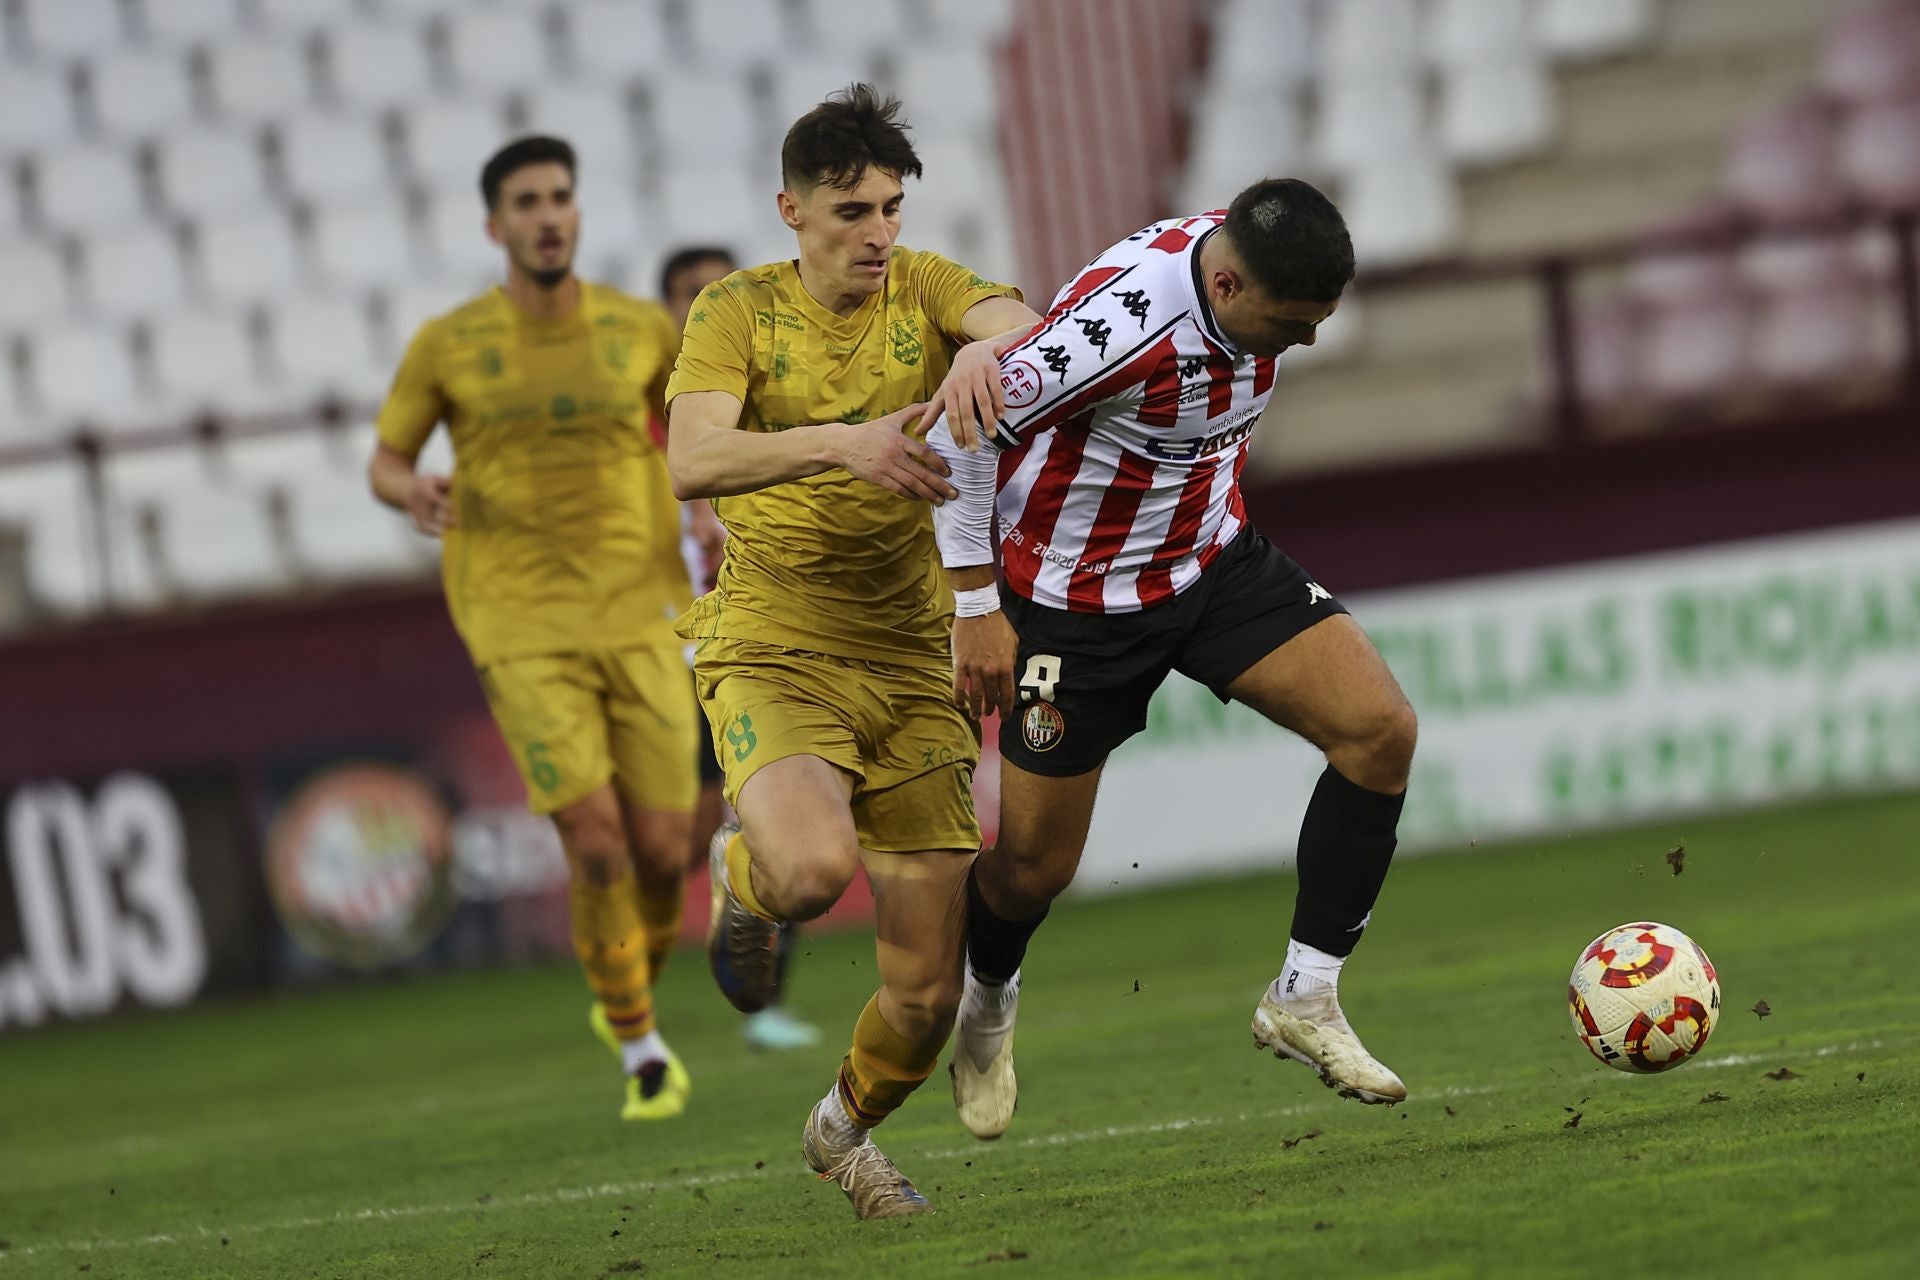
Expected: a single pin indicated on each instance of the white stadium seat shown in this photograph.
(306, 15)
(186, 528)
(185, 22)
(337, 526)
(83, 188)
(71, 28)
(1492, 112)
(614, 229)
(494, 49)
(36, 109)
(1264, 44)
(362, 245)
(617, 39)
(134, 272)
(972, 19)
(714, 205)
(322, 345)
(140, 92)
(408, 306)
(950, 87)
(204, 359)
(1237, 138)
(1362, 117)
(1401, 207)
(1476, 31)
(260, 79)
(449, 140)
(860, 29)
(377, 64)
(1370, 37)
(36, 290)
(333, 156)
(741, 34)
(207, 172)
(249, 257)
(596, 119)
(48, 501)
(693, 123)
(1593, 28)
(800, 86)
(456, 231)
(82, 372)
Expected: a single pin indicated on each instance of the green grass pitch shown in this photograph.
(466, 1126)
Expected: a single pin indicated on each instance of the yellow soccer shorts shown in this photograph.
(576, 721)
(893, 727)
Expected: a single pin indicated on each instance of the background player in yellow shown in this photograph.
(684, 276)
(825, 655)
(563, 574)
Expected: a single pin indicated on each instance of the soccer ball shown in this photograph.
(1644, 997)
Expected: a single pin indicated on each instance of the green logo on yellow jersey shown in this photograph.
(562, 408)
(490, 362)
(780, 365)
(904, 334)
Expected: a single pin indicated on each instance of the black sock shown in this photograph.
(995, 944)
(1346, 844)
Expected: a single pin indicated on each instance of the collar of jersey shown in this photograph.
(819, 311)
(1198, 289)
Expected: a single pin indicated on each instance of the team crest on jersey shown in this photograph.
(562, 408)
(904, 334)
(1020, 384)
(1042, 726)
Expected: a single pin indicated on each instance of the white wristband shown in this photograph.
(977, 603)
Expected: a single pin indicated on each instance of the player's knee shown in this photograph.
(595, 843)
(1386, 754)
(1034, 879)
(804, 880)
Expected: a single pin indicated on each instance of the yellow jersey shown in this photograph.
(828, 563)
(567, 535)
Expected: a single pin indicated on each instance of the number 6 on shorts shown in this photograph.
(1038, 680)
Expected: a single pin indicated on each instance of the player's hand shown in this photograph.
(708, 533)
(984, 650)
(883, 453)
(969, 395)
(430, 504)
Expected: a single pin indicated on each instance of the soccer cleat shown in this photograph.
(985, 1090)
(876, 1188)
(1311, 1029)
(659, 1090)
(743, 950)
(774, 1028)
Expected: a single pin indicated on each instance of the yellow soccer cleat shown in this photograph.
(651, 1094)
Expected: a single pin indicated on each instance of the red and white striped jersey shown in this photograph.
(1127, 425)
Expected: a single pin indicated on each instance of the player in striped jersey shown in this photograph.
(1127, 554)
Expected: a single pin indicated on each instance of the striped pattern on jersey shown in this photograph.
(1127, 426)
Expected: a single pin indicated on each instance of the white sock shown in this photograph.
(1308, 971)
(985, 995)
(635, 1054)
(835, 1120)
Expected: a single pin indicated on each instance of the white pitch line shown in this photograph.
(609, 1190)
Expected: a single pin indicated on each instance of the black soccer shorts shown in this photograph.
(1084, 679)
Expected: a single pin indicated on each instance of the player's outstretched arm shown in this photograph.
(708, 456)
(426, 499)
(970, 395)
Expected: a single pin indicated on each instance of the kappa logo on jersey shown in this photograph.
(1096, 331)
(1315, 594)
(1135, 301)
(1042, 726)
(1020, 383)
(1057, 359)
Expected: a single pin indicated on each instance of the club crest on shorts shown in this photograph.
(1042, 726)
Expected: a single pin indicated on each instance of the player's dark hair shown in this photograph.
(836, 141)
(691, 256)
(1292, 239)
(517, 155)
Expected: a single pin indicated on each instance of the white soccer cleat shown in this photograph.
(874, 1185)
(1311, 1029)
(985, 1092)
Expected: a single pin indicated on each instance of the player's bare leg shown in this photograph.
(611, 941)
(656, 841)
(795, 853)
(1043, 831)
(1330, 685)
(919, 940)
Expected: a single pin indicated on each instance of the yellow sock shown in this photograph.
(740, 878)
(882, 1068)
(660, 919)
(612, 946)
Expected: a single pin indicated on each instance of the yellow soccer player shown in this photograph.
(563, 574)
(825, 658)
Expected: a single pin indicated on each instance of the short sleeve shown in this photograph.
(415, 403)
(716, 348)
(947, 291)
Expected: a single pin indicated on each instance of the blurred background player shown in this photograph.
(1159, 358)
(686, 272)
(563, 574)
(825, 657)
